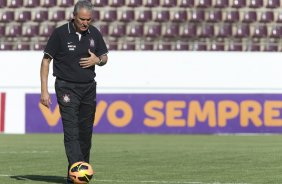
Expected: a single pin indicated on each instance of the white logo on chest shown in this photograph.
(71, 46)
(92, 43)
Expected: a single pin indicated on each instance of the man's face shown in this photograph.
(82, 20)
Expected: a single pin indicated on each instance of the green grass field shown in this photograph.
(147, 159)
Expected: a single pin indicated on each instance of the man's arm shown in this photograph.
(103, 60)
(44, 72)
(93, 60)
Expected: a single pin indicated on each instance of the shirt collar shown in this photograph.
(71, 28)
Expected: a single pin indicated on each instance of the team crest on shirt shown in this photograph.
(66, 98)
(92, 43)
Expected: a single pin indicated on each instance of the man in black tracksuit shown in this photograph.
(75, 47)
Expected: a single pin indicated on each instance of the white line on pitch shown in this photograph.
(166, 182)
(5, 175)
(23, 152)
(160, 182)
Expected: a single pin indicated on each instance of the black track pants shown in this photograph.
(77, 104)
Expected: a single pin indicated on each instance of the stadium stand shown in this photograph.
(195, 25)
(30, 29)
(23, 16)
(31, 3)
(134, 3)
(48, 3)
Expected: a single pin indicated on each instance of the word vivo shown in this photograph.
(181, 113)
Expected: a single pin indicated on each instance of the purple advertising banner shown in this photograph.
(168, 113)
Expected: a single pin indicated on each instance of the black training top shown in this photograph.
(66, 48)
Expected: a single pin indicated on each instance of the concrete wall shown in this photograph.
(147, 72)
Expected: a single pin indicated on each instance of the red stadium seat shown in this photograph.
(126, 45)
(116, 3)
(32, 3)
(260, 31)
(109, 15)
(169, 3)
(151, 3)
(3, 3)
(197, 15)
(135, 30)
(170, 30)
(232, 16)
(38, 46)
(188, 30)
(162, 46)
(104, 29)
(238, 3)
(221, 3)
(7, 16)
(15, 4)
(273, 4)
(100, 3)
(181, 46)
(23, 16)
(2, 29)
(206, 31)
(13, 30)
(275, 31)
(204, 3)
(267, 16)
(126, 15)
(95, 15)
(217, 46)
(250, 16)
(40, 15)
(117, 30)
(48, 3)
(234, 46)
(45, 29)
(30, 30)
(252, 46)
(145, 46)
(256, 4)
(69, 14)
(242, 31)
(214, 16)
(112, 46)
(21, 46)
(199, 46)
(57, 15)
(279, 17)
(65, 3)
(152, 30)
(6, 46)
(134, 3)
(215, 25)
(179, 16)
(224, 30)
(161, 16)
(186, 3)
(271, 47)
(143, 15)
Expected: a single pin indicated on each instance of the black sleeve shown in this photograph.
(52, 46)
(101, 47)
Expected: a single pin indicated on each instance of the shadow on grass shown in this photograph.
(47, 179)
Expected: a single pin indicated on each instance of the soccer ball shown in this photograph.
(81, 172)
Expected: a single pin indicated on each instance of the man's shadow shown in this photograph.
(47, 179)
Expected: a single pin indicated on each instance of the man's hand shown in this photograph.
(44, 71)
(89, 61)
(45, 99)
